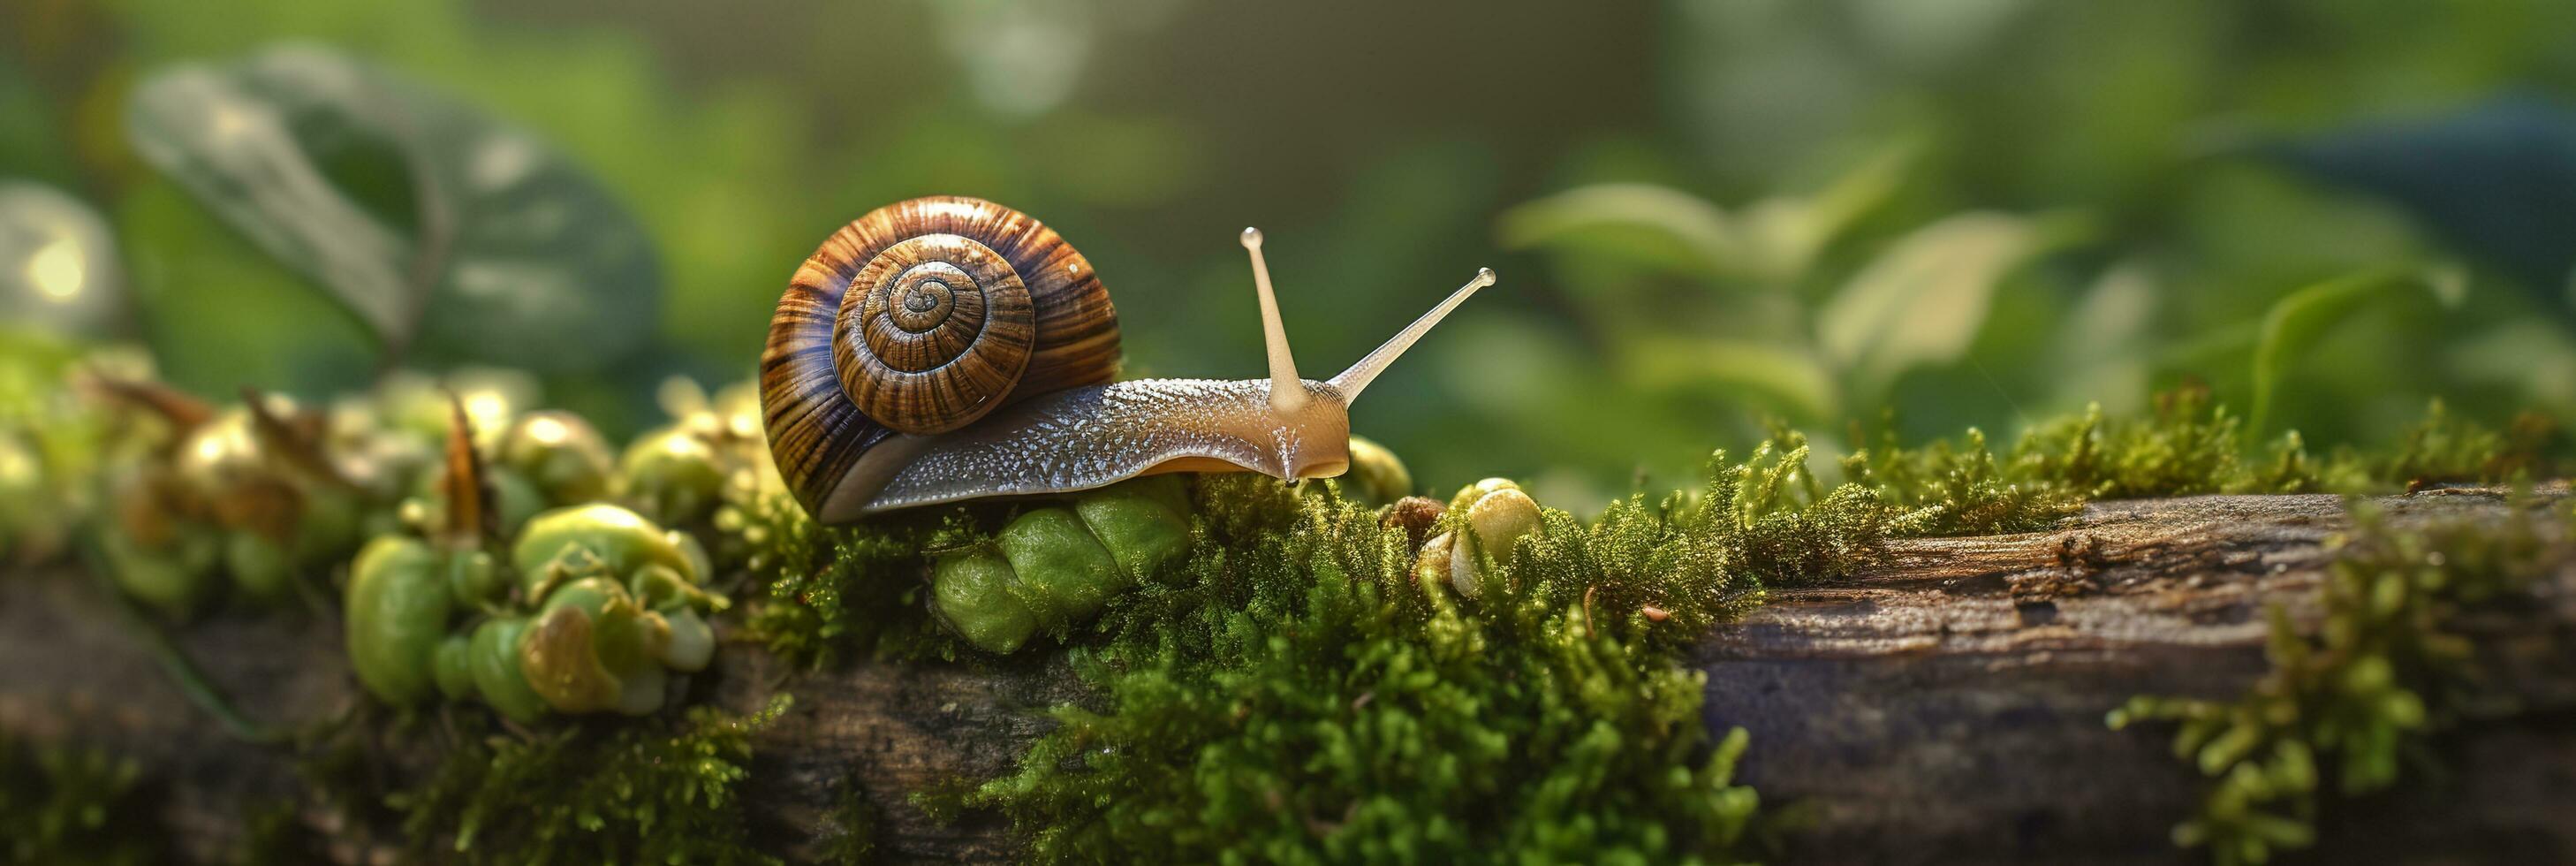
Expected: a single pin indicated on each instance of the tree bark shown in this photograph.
(1945, 707)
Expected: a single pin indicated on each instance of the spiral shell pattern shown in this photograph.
(932, 333)
(921, 317)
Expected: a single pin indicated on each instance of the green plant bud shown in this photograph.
(264, 569)
(1376, 475)
(561, 664)
(396, 613)
(1063, 573)
(332, 522)
(672, 475)
(495, 662)
(692, 643)
(1431, 566)
(452, 667)
(657, 587)
(561, 454)
(1495, 521)
(474, 578)
(621, 540)
(1469, 494)
(701, 567)
(176, 577)
(626, 644)
(973, 593)
(1144, 523)
(1501, 518)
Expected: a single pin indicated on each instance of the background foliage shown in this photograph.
(1705, 213)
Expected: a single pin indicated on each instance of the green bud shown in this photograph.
(330, 525)
(692, 643)
(972, 592)
(1144, 523)
(262, 568)
(621, 540)
(175, 577)
(453, 666)
(494, 661)
(1063, 573)
(1496, 519)
(562, 666)
(1469, 494)
(672, 475)
(396, 613)
(595, 650)
(473, 578)
(1055, 567)
(561, 454)
(1376, 475)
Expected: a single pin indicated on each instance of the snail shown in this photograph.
(946, 348)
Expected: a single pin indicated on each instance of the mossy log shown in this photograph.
(1947, 706)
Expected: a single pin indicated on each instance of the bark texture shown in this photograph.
(1946, 707)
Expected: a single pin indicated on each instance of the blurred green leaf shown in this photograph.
(454, 236)
(2296, 321)
(1793, 382)
(1789, 232)
(1772, 241)
(1923, 299)
(1651, 223)
(2497, 179)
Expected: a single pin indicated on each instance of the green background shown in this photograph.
(1931, 213)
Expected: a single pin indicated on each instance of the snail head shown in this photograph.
(1309, 421)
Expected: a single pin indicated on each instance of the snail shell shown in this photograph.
(931, 313)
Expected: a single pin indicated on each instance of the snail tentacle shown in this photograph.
(1356, 379)
(1284, 399)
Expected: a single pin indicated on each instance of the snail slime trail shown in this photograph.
(944, 349)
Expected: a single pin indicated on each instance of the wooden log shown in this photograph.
(1946, 707)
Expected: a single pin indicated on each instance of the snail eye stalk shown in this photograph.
(1287, 391)
(1356, 379)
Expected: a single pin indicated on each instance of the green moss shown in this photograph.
(855, 819)
(62, 804)
(275, 834)
(2188, 446)
(1973, 493)
(634, 791)
(824, 594)
(2384, 671)
(1292, 694)
(2446, 448)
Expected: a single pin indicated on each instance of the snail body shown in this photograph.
(945, 349)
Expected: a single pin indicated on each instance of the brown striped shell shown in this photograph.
(921, 317)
